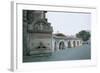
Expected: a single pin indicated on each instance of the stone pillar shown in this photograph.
(76, 43)
(71, 43)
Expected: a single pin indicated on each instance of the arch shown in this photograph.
(42, 25)
(39, 26)
(61, 45)
(74, 44)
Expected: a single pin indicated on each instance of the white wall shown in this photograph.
(5, 36)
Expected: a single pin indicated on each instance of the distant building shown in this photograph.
(60, 41)
(38, 35)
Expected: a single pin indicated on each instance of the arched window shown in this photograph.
(61, 45)
(39, 26)
(74, 44)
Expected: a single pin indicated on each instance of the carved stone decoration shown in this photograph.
(42, 26)
(37, 31)
(38, 22)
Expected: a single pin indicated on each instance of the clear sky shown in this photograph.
(69, 23)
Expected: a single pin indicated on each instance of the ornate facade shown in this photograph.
(38, 35)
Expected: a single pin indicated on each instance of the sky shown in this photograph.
(69, 23)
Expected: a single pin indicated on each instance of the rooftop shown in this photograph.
(62, 36)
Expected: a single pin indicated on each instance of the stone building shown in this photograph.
(38, 35)
(61, 41)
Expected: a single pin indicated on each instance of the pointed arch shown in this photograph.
(61, 45)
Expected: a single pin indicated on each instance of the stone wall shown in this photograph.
(37, 32)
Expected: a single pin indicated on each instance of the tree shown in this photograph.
(84, 35)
